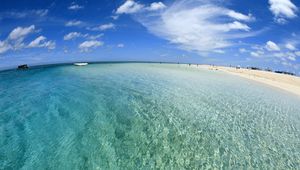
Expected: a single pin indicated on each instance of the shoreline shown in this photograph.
(285, 82)
(44, 65)
(282, 81)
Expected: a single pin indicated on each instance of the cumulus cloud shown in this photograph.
(21, 32)
(74, 35)
(17, 35)
(129, 7)
(75, 7)
(236, 26)
(200, 26)
(272, 51)
(282, 10)
(87, 45)
(104, 27)
(271, 46)
(15, 40)
(290, 46)
(259, 51)
(93, 37)
(40, 42)
(156, 6)
(284, 56)
(73, 23)
(240, 16)
(37, 42)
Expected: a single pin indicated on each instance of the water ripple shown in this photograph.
(144, 116)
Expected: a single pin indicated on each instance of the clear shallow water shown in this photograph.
(144, 116)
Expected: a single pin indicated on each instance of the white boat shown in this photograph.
(81, 64)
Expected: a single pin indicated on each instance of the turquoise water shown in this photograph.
(144, 116)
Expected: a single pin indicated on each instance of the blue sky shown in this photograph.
(263, 33)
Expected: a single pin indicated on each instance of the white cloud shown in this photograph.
(74, 23)
(129, 7)
(21, 32)
(72, 35)
(239, 16)
(93, 37)
(37, 41)
(198, 25)
(219, 51)
(37, 13)
(280, 20)
(115, 17)
(258, 51)
(15, 40)
(292, 57)
(254, 54)
(106, 26)
(120, 45)
(87, 45)
(242, 50)
(290, 46)
(4, 46)
(271, 46)
(40, 42)
(282, 9)
(75, 7)
(287, 64)
(272, 52)
(16, 37)
(286, 56)
(236, 26)
(41, 12)
(156, 6)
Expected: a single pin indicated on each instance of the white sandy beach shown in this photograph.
(285, 82)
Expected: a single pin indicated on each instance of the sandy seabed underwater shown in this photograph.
(144, 116)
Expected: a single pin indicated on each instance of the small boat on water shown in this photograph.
(81, 64)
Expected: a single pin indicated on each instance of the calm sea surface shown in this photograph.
(144, 116)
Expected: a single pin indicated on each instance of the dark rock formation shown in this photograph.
(23, 67)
